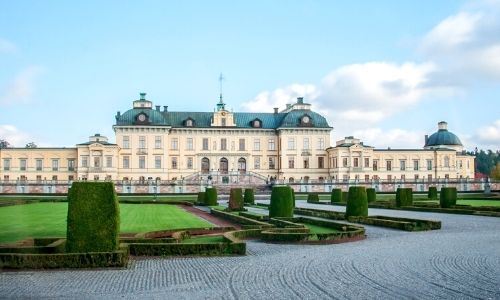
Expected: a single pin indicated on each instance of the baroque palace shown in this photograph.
(225, 147)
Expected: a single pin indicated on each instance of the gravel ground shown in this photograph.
(460, 261)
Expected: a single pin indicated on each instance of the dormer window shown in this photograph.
(256, 123)
(189, 122)
(141, 118)
(306, 120)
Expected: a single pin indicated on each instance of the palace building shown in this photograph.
(225, 147)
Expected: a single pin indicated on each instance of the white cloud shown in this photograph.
(14, 136)
(266, 100)
(488, 137)
(21, 88)
(7, 46)
(394, 138)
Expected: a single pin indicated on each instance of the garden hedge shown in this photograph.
(345, 196)
(371, 195)
(282, 203)
(448, 197)
(93, 222)
(357, 203)
(293, 195)
(432, 193)
(336, 195)
(201, 198)
(249, 196)
(235, 199)
(404, 197)
(406, 224)
(312, 198)
(211, 196)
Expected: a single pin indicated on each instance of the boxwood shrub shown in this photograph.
(249, 196)
(433, 193)
(235, 199)
(371, 194)
(357, 203)
(448, 197)
(201, 198)
(93, 222)
(211, 196)
(281, 202)
(404, 197)
(345, 196)
(312, 198)
(336, 195)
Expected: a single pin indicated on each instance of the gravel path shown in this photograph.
(460, 261)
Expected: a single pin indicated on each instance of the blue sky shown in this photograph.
(384, 71)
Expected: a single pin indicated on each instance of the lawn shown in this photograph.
(320, 229)
(49, 219)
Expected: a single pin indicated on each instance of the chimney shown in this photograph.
(117, 115)
(300, 100)
(157, 108)
(426, 139)
(165, 108)
(275, 110)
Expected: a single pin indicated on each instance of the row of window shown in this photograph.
(305, 162)
(390, 177)
(39, 166)
(389, 166)
(6, 178)
(205, 163)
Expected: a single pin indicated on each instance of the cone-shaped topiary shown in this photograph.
(93, 222)
(345, 196)
(249, 196)
(433, 193)
(336, 195)
(357, 203)
(201, 198)
(313, 198)
(371, 194)
(235, 199)
(211, 196)
(404, 197)
(448, 197)
(281, 202)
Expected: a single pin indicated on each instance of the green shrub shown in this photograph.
(249, 196)
(371, 194)
(404, 197)
(93, 222)
(293, 195)
(345, 196)
(336, 195)
(448, 197)
(312, 198)
(357, 203)
(201, 197)
(281, 202)
(433, 193)
(211, 196)
(235, 199)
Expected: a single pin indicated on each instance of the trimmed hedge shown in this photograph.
(249, 196)
(371, 194)
(345, 196)
(336, 195)
(406, 224)
(357, 204)
(155, 249)
(235, 199)
(328, 214)
(432, 193)
(448, 197)
(201, 198)
(404, 197)
(312, 198)
(293, 195)
(282, 203)
(211, 196)
(93, 222)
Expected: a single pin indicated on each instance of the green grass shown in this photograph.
(320, 229)
(475, 203)
(49, 219)
(205, 239)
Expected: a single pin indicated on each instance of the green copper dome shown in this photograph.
(443, 137)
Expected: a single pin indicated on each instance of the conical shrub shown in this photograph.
(404, 197)
(432, 193)
(211, 196)
(313, 198)
(371, 194)
(235, 199)
(201, 198)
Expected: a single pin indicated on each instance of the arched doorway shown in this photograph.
(223, 165)
(242, 165)
(205, 165)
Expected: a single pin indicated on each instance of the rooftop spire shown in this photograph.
(221, 105)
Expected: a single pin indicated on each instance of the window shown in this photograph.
(126, 162)
(367, 178)
(271, 145)
(6, 164)
(126, 142)
(109, 161)
(375, 165)
(22, 164)
(189, 163)
(223, 122)
(38, 178)
(174, 144)
(256, 144)
(97, 162)
(446, 162)
(85, 161)
(142, 142)
(242, 145)
(388, 165)
(39, 164)
(416, 177)
(291, 144)
(205, 143)
(460, 164)
(306, 163)
(429, 164)
(189, 143)
(158, 142)
(55, 164)
(23, 178)
(306, 143)
(321, 144)
(189, 123)
(403, 177)
(272, 163)
(6, 178)
(446, 176)
(256, 123)
(429, 177)
(334, 163)
(71, 164)
(291, 162)
(174, 162)
(389, 177)
(415, 165)
(367, 162)
(223, 144)
(142, 162)
(344, 162)
(321, 162)
(402, 165)
(157, 162)
(256, 163)
(345, 177)
(54, 178)
(356, 162)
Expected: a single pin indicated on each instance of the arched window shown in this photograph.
(242, 165)
(189, 123)
(291, 180)
(205, 165)
(223, 165)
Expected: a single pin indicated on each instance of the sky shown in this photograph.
(383, 71)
